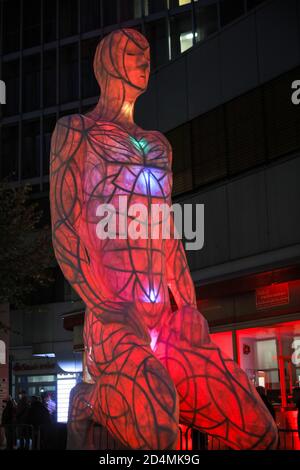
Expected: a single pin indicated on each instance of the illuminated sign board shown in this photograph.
(272, 296)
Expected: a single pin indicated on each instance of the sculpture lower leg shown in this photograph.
(215, 395)
(133, 396)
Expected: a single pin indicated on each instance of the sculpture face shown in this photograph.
(139, 391)
(122, 61)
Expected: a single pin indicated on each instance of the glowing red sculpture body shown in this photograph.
(140, 392)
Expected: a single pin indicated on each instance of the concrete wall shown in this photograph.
(245, 54)
(251, 222)
(40, 330)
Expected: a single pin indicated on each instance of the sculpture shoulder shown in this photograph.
(76, 123)
(160, 137)
(68, 136)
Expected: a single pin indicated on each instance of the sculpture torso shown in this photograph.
(136, 165)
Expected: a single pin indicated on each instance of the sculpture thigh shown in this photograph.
(133, 395)
(215, 395)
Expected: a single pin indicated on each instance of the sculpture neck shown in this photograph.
(116, 110)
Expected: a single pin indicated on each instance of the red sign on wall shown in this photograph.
(272, 296)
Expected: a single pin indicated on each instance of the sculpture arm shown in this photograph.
(179, 278)
(67, 150)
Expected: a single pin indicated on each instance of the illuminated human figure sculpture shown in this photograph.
(152, 368)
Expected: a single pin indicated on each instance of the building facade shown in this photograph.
(221, 90)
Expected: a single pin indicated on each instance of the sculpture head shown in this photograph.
(122, 63)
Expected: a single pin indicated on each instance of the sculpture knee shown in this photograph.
(186, 325)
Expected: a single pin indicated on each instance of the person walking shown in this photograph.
(262, 393)
(8, 422)
(23, 431)
(39, 418)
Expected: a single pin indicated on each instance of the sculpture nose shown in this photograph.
(143, 66)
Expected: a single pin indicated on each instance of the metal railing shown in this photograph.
(30, 437)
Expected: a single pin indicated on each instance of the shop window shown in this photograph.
(154, 6)
(11, 74)
(207, 21)
(90, 15)
(31, 23)
(68, 17)
(130, 9)
(230, 10)
(30, 159)
(49, 126)
(49, 79)
(157, 35)
(31, 83)
(41, 378)
(266, 354)
(90, 86)
(50, 23)
(69, 73)
(9, 152)
(110, 12)
(11, 26)
(65, 383)
(209, 147)
(181, 33)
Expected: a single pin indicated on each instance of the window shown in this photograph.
(181, 33)
(90, 15)
(69, 73)
(49, 79)
(206, 21)
(11, 26)
(180, 140)
(68, 17)
(110, 12)
(50, 25)
(282, 116)
(9, 152)
(178, 3)
(41, 378)
(209, 147)
(31, 83)
(89, 83)
(30, 149)
(245, 127)
(31, 23)
(266, 355)
(2, 352)
(154, 6)
(156, 33)
(253, 3)
(49, 125)
(11, 74)
(130, 9)
(65, 383)
(230, 10)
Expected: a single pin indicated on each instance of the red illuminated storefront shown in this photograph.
(257, 322)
